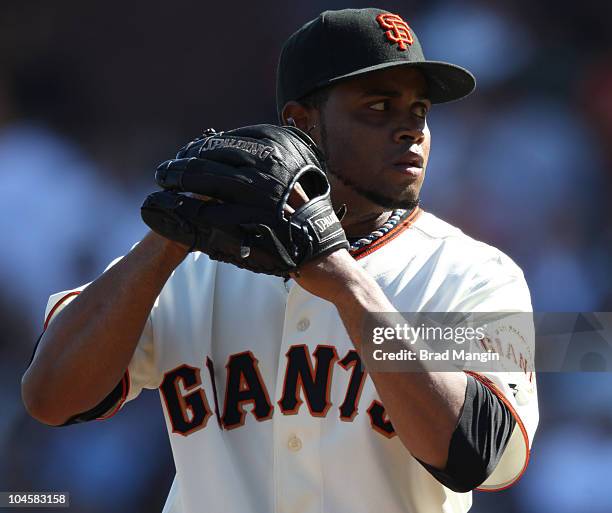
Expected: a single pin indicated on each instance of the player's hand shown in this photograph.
(330, 276)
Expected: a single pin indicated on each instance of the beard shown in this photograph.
(378, 199)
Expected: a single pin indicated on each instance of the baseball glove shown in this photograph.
(247, 175)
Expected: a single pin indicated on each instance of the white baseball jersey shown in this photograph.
(266, 405)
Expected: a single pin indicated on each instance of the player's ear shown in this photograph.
(295, 113)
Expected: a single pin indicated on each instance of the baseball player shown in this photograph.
(261, 375)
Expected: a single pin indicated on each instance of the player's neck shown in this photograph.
(362, 224)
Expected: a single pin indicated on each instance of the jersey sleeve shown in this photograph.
(173, 501)
(141, 372)
(499, 287)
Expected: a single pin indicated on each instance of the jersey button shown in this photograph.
(294, 443)
(303, 324)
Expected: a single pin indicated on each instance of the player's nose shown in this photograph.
(404, 134)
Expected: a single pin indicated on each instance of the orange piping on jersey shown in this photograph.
(125, 380)
(408, 222)
(125, 384)
(491, 386)
(57, 305)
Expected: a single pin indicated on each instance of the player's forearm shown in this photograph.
(86, 349)
(424, 407)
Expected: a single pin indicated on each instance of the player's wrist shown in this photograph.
(173, 249)
(361, 291)
(349, 283)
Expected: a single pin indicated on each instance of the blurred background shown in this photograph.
(94, 94)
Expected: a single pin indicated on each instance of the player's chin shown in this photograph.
(407, 200)
(406, 203)
(402, 188)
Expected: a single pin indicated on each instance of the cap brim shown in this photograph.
(446, 82)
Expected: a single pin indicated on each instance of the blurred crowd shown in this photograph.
(94, 94)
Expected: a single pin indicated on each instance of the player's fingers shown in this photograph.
(297, 197)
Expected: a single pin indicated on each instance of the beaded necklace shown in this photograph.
(396, 216)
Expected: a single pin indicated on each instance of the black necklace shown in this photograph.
(395, 218)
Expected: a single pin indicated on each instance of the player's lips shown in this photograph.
(409, 163)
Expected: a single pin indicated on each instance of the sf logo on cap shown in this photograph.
(397, 30)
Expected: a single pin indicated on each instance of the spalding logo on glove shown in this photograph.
(251, 171)
(259, 150)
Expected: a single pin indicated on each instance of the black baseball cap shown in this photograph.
(341, 44)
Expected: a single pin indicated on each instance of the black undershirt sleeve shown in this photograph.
(478, 442)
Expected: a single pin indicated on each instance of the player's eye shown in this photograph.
(420, 110)
(380, 106)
